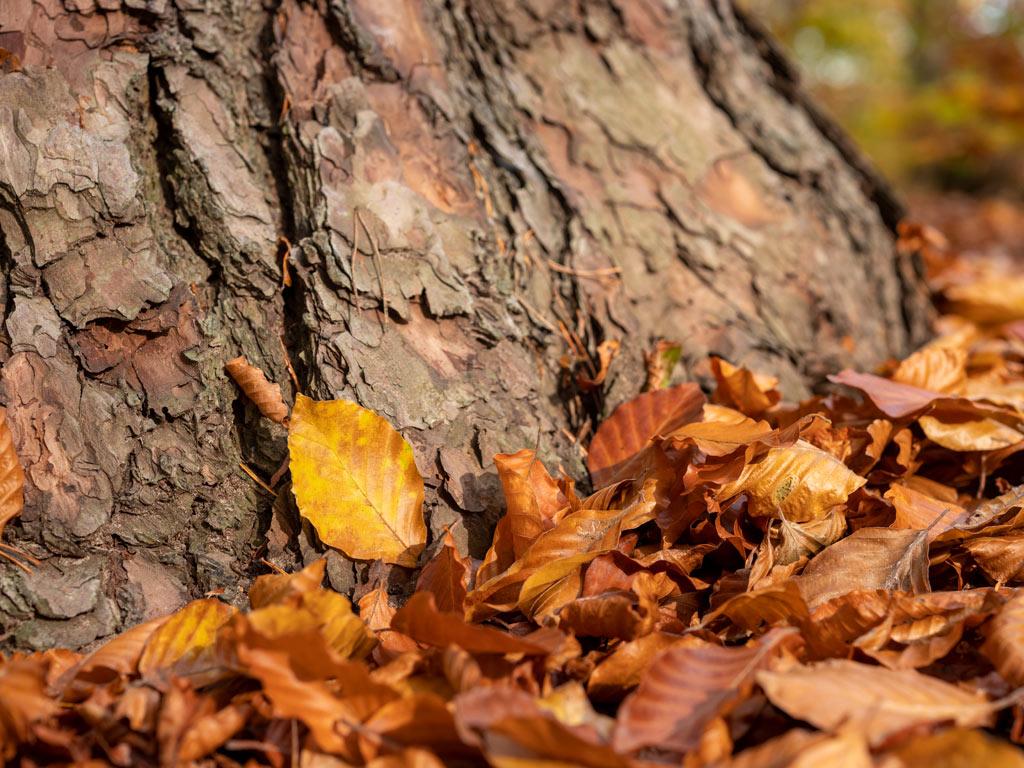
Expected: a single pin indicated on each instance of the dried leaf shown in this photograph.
(874, 701)
(1005, 644)
(527, 486)
(969, 434)
(937, 369)
(12, 478)
(892, 398)
(356, 481)
(264, 395)
(445, 576)
(630, 428)
(797, 483)
(624, 668)
(23, 701)
(684, 690)
(184, 644)
(420, 619)
(871, 558)
(958, 747)
(739, 388)
(1000, 557)
(273, 588)
(917, 511)
(660, 363)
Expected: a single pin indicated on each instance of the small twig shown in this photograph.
(602, 274)
(276, 477)
(24, 554)
(257, 480)
(534, 313)
(273, 567)
(352, 265)
(288, 365)
(21, 565)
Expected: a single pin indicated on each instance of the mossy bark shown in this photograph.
(475, 194)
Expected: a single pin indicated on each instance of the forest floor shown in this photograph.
(753, 583)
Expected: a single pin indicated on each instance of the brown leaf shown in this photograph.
(684, 689)
(870, 558)
(966, 434)
(23, 701)
(1000, 557)
(445, 576)
(375, 610)
(420, 619)
(917, 511)
(527, 486)
(1005, 644)
(892, 398)
(776, 604)
(630, 428)
(212, 731)
(798, 748)
(606, 352)
(264, 395)
(624, 667)
(874, 701)
(619, 615)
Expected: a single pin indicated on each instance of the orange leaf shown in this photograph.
(420, 619)
(445, 576)
(684, 689)
(739, 388)
(917, 511)
(871, 700)
(272, 588)
(531, 496)
(633, 424)
(12, 478)
(1005, 644)
(264, 395)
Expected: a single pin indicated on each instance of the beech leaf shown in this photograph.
(264, 395)
(797, 483)
(356, 481)
(871, 700)
(632, 425)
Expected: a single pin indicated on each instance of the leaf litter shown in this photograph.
(751, 582)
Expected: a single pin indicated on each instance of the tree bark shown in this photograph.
(475, 193)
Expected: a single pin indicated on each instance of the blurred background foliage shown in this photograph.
(933, 90)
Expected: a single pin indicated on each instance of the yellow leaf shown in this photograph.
(553, 585)
(274, 587)
(356, 481)
(970, 435)
(797, 483)
(184, 644)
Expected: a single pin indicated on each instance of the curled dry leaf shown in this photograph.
(739, 388)
(1005, 644)
(23, 701)
(874, 701)
(264, 395)
(918, 511)
(12, 478)
(272, 588)
(937, 369)
(1000, 557)
(630, 428)
(531, 496)
(797, 483)
(355, 480)
(445, 576)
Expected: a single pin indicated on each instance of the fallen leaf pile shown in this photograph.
(751, 583)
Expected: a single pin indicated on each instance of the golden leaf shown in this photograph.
(969, 434)
(184, 644)
(797, 483)
(356, 481)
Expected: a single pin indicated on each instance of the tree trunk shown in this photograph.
(476, 194)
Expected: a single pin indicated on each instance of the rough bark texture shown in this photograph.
(153, 151)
